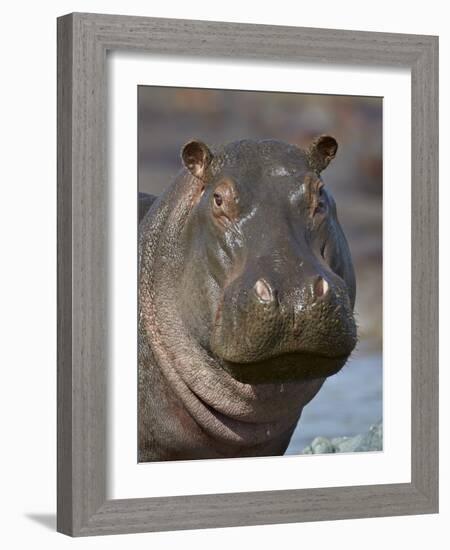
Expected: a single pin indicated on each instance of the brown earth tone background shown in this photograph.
(169, 117)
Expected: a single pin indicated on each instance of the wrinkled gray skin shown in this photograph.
(246, 295)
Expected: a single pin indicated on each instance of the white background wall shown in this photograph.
(28, 271)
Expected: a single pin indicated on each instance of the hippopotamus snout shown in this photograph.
(307, 313)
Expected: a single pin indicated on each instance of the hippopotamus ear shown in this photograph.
(196, 157)
(321, 151)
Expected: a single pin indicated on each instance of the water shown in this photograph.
(347, 404)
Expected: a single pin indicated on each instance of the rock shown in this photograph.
(369, 441)
(319, 445)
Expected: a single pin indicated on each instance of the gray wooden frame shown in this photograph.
(83, 41)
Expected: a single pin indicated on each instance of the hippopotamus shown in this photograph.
(246, 297)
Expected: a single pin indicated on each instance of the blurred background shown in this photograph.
(350, 401)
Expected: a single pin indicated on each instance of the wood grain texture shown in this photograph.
(83, 319)
(64, 252)
(425, 276)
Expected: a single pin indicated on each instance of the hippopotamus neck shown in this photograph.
(235, 417)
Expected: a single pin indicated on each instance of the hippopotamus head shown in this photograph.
(267, 286)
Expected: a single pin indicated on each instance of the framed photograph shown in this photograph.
(247, 274)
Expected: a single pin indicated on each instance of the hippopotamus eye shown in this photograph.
(320, 208)
(225, 209)
(321, 205)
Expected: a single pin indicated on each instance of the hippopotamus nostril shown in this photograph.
(320, 287)
(263, 290)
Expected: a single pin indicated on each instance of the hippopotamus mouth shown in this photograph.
(268, 342)
(286, 367)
